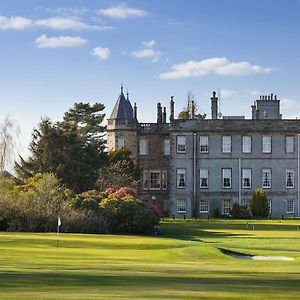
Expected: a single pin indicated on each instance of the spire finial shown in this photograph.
(122, 87)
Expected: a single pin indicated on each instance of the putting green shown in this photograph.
(184, 263)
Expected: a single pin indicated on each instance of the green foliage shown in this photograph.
(120, 170)
(72, 149)
(216, 212)
(187, 111)
(259, 204)
(239, 212)
(36, 205)
(127, 215)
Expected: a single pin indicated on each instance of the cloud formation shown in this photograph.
(122, 11)
(148, 51)
(59, 41)
(214, 65)
(56, 23)
(101, 53)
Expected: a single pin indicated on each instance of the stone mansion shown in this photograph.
(190, 167)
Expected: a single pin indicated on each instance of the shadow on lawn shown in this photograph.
(235, 282)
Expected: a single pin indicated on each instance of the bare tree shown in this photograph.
(9, 133)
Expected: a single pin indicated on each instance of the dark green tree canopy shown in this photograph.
(72, 149)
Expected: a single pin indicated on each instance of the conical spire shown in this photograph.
(123, 108)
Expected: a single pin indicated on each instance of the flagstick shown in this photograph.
(57, 236)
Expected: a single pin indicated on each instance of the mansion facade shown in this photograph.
(190, 167)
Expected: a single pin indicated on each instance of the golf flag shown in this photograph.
(58, 222)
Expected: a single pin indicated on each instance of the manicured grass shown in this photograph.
(185, 263)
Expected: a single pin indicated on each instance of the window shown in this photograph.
(266, 178)
(289, 144)
(166, 147)
(164, 180)
(246, 144)
(143, 147)
(120, 142)
(181, 144)
(181, 178)
(270, 205)
(245, 203)
(203, 144)
(289, 178)
(246, 177)
(226, 206)
(226, 144)
(181, 205)
(226, 178)
(289, 206)
(203, 206)
(154, 180)
(145, 180)
(203, 178)
(266, 144)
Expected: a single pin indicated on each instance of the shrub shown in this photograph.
(127, 215)
(239, 212)
(216, 212)
(259, 204)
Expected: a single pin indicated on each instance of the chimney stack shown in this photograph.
(172, 109)
(214, 106)
(135, 111)
(193, 109)
(159, 113)
(165, 115)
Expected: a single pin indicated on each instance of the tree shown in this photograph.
(259, 204)
(9, 132)
(72, 149)
(191, 110)
(119, 171)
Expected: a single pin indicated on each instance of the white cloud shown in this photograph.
(122, 11)
(286, 103)
(147, 52)
(214, 65)
(81, 10)
(101, 53)
(59, 41)
(17, 23)
(149, 44)
(55, 23)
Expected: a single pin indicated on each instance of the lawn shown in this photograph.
(184, 263)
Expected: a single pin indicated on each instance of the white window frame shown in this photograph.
(181, 206)
(203, 174)
(266, 141)
(145, 180)
(270, 205)
(226, 144)
(120, 142)
(226, 176)
(247, 144)
(289, 144)
(246, 174)
(143, 147)
(157, 172)
(181, 174)
(203, 206)
(226, 208)
(289, 172)
(164, 180)
(166, 146)
(266, 176)
(289, 206)
(181, 143)
(203, 144)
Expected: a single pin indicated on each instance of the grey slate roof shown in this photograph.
(123, 108)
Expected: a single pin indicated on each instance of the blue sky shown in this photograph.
(54, 53)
